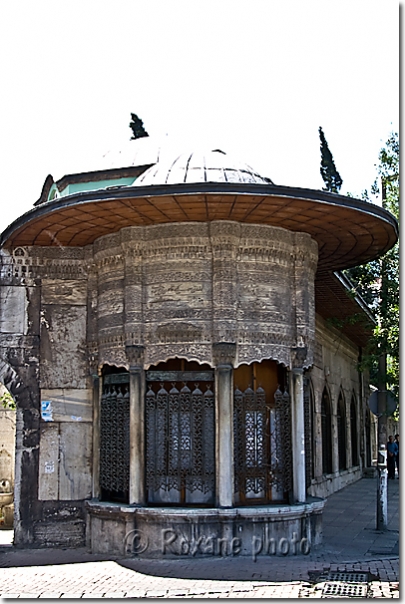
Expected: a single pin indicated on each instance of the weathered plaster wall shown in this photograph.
(43, 317)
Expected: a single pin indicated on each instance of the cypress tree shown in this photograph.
(330, 175)
(136, 125)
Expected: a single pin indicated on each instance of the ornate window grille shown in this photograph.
(262, 446)
(114, 438)
(180, 441)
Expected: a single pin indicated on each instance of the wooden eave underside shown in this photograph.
(348, 231)
(343, 312)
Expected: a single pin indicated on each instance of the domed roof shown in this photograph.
(200, 166)
(139, 152)
(205, 187)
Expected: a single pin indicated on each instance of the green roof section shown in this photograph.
(95, 185)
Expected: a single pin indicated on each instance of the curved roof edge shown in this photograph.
(352, 229)
(205, 187)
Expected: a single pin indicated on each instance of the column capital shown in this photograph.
(135, 355)
(92, 359)
(224, 354)
(298, 357)
(297, 371)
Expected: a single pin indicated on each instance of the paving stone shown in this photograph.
(79, 574)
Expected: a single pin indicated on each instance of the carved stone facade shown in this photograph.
(177, 289)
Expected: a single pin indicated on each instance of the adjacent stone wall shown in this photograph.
(336, 367)
(43, 352)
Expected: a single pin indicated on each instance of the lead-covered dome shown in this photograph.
(200, 166)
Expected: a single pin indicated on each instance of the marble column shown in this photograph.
(137, 425)
(97, 393)
(298, 433)
(224, 354)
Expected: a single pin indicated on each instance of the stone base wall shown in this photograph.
(325, 485)
(167, 533)
(62, 524)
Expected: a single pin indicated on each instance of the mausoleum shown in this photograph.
(174, 334)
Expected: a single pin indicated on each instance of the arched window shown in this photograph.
(341, 427)
(353, 432)
(312, 410)
(326, 418)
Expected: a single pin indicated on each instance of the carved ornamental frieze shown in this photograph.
(177, 289)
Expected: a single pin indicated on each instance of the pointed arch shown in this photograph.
(353, 431)
(326, 427)
(309, 417)
(341, 429)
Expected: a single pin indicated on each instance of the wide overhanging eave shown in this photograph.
(296, 209)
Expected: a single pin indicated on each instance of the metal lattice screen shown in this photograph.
(114, 438)
(180, 437)
(262, 446)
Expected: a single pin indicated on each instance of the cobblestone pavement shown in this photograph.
(110, 579)
(354, 561)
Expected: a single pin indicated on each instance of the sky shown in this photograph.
(255, 78)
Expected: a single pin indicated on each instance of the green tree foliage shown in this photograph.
(7, 401)
(330, 175)
(378, 281)
(136, 125)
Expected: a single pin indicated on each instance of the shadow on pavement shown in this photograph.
(349, 536)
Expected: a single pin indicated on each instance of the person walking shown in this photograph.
(392, 449)
(397, 455)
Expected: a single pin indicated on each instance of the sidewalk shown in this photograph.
(351, 545)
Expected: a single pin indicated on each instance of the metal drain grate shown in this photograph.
(348, 577)
(348, 590)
